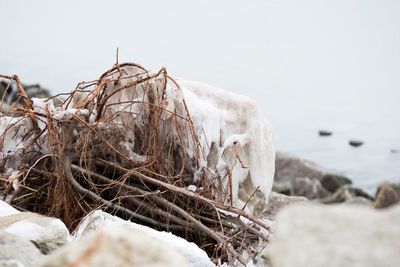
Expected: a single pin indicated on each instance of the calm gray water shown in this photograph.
(309, 64)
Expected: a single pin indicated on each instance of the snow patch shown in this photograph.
(6, 209)
(98, 219)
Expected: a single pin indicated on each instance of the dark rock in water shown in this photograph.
(387, 195)
(324, 133)
(395, 151)
(310, 188)
(333, 182)
(356, 143)
(346, 193)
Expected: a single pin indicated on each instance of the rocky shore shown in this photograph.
(309, 228)
(301, 178)
(325, 221)
(164, 182)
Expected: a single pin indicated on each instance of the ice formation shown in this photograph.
(235, 138)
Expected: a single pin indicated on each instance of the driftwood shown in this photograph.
(124, 151)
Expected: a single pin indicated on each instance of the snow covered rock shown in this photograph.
(236, 139)
(18, 252)
(97, 220)
(6, 209)
(116, 246)
(335, 236)
(47, 233)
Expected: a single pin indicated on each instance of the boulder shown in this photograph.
(348, 193)
(288, 167)
(333, 182)
(116, 246)
(96, 220)
(278, 201)
(335, 236)
(18, 252)
(45, 232)
(310, 188)
(283, 188)
(358, 201)
(387, 195)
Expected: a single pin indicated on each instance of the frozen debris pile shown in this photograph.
(127, 143)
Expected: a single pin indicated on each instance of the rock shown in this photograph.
(290, 178)
(346, 194)
(45, 232)
(278, 201)
(96, 220)
(324, 133)
(333, 182)
(309, 188)
(387, 195)
(356, 143)
(283, 188)
(358, 201)
(395, 151)
(288, 167)
(116, 246)
(11, 96)
(6, 209)
(335, 236)
(18, 252)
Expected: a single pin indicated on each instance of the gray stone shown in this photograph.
(278, 201)
(47, 233)
(335, 236)
(309, 187)
(345, 194)
(333, 182)
(359, 201)
(283, 188)
(18, 252)
(288, 167)
(117, 247)
(387, 195)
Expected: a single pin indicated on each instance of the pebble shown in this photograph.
(356, 143)
(324, 133)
